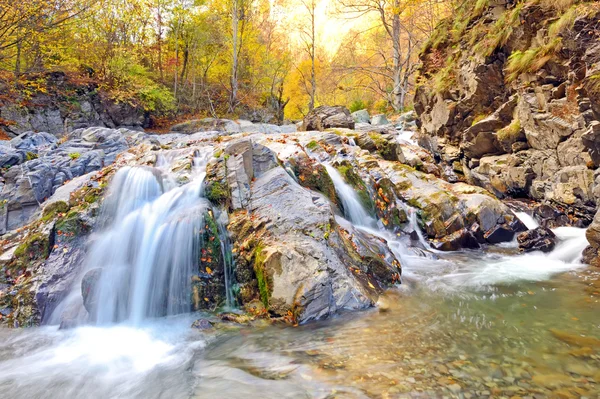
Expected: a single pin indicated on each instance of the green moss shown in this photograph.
(312, 145)
(90, 198)
(36, 246)
(74, 155)
(531, 60)
(217, 192)
(511, 132)
(53, 209)
(31, 156)
(384, 147)
(72, 225)
(261, 274)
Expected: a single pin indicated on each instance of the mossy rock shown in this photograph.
(314, 176)
(262, 277)
(72, 225)
(386, 206)
(35, 247)
(208, 284)
(217, 192)
(54, 209)
(385, 148)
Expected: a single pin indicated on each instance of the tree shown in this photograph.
(309, 40)
(405, 23)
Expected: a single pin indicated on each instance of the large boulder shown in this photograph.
(47, 165)
(326, 117)
(361, 116)
(538, 239)
(206, 125)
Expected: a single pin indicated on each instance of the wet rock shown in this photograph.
(538, 239)
(205, 125)
(28, 186)
(326, 117)
(89, 285)
(361, 116)
(379, 120)
(202, 324)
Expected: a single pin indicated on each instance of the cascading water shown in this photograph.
(353, 209)
(459, 270)
(145, 254)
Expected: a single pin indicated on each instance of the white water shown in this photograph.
(466, 269)
(118, 361)
(353, 209)
(527, 220)
(148, 248)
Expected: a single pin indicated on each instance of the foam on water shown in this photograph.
(467, 269)
(91, 361)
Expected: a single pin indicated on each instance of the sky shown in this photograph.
(331, 26)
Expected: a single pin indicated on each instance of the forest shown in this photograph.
(258, 59)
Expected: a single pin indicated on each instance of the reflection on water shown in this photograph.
(516, 340)
(470, 325)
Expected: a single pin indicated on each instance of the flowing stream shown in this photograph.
(485, 323)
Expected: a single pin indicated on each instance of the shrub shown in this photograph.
(565, 22)
(531, 60)
(74, 155)
(357, 105)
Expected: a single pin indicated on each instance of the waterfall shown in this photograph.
(148, 247)
(527, 220)
(231, 287)
(353, 208)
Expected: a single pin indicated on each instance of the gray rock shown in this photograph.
(379, 120)
(326, 117)
(361, 116)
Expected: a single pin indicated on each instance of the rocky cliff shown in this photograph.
(57, 103)
(508, 99)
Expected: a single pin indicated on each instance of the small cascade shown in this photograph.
(353, 208)
(231, 286)
(148, 247)
(527, 220)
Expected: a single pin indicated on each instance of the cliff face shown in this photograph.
(58, 103)
(509, 99)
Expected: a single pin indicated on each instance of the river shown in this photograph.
(469, 324)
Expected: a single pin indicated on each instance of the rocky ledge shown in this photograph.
(296, 258)
(508, 99)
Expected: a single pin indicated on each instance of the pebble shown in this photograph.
(455, 388)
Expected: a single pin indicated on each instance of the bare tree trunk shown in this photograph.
(175, 82)
(397, 93)
(159, 37)
(235, 20)
(18, 62)
(313, 75)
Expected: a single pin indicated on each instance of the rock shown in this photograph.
(361, 116)
(50, 112)
(88, 290)
(379, 120)
(326, 117)
(533, 137)
(538, 239)
(28, 186)
(205, 125)
(591, 140)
